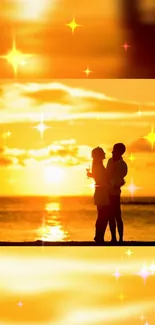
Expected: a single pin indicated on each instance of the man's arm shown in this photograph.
(122, 170)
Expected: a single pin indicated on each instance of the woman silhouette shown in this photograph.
(101, 195)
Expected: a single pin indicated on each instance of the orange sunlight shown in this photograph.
(53, 175)
(32, 10)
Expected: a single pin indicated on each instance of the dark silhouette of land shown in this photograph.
(140, 35)
(78, 243)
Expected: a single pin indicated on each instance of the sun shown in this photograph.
(32, 10)
(53, 175)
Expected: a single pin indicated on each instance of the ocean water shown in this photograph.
(70, 218)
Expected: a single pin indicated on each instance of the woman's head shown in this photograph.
(98, 154)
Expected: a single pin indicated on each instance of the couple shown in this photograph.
(108, 182)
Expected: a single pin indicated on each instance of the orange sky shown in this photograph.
(80, 115)
(34, 289)
(40, 29)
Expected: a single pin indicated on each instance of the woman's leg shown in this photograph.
(101, 223)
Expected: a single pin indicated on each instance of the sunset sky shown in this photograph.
(80, 115)
(40, 30)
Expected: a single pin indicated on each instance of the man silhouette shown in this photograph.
(116, 171)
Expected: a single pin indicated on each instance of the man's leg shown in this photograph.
(112, 222)
(101, 223)
(118, 216)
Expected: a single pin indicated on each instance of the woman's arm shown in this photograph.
(89, 174)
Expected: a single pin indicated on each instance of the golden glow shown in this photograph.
(32, 10)
(53, 233)
(73, 25)
(53, 174)
(52, 206)
(15, 57)
(151, 137)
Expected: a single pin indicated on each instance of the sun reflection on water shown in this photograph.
(52, 229)
(52, 206)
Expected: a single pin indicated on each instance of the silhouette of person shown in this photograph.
(140, 33)
(101, 195)
(116, 171)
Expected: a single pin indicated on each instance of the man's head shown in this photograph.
(118, 150)
(98, 154)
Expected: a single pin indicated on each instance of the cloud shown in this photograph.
(50, 96)
(141, 145)
(24, 102)
(65, 153)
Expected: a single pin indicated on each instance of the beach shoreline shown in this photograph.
(78, 243)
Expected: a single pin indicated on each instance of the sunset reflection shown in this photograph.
(52, 206)
(52, 229)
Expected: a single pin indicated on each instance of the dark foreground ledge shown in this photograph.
(77, 243)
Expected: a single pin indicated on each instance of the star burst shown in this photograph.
(132, 157)
(6, 135)
(125, 46)
(129, 252)
(142, 317)
(132, 188)
(121, 296)
(15, 57)
(152, 268)
(73, 25)
(144, 273)
(151, 137)
(20, 304)
(140, 112)
(87, 71)
(117, 274)
(41, 127)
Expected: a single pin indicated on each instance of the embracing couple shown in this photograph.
(108, 182)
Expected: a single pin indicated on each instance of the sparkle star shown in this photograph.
(139, 113)
(20, 304)
(117, 274)
(125, 46)
(121, 296)
(73, 25)
(15, 57)
(129, 252)
(144, 273)
(152, 268)
(142, 317)
(131, 158)
(87, 71)
(132, 188)
(151, 137)
(6, 135)
(41, 127)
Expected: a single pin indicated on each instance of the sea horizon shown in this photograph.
(124, 199)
